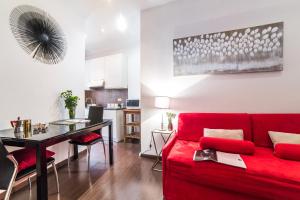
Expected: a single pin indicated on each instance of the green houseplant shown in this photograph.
(70, 102)
(170, 116)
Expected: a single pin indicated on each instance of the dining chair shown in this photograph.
(20, 164)
(95, 116)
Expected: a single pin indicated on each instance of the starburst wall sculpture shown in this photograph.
(254, 49)
(38, 34)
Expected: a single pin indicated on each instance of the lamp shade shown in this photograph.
(162, 102)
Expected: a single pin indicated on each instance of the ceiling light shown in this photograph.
(121, 23)
(102, 30)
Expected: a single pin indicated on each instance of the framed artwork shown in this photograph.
(38, 34)
(253, 49)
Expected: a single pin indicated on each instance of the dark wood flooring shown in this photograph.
(130, 178)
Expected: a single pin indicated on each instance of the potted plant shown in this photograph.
(170, 116)
(70, 102)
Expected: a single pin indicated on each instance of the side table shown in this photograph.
(165, 140)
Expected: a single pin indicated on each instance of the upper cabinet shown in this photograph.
(110, 70)
(95, 70)
(115, 74)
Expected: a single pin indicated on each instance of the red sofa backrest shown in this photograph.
(191, 125)
(262, 123)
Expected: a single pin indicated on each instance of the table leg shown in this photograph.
(41, 170)
(157, 155)
(154, 144)
(75, 155)
(110, 145)
(165, 142)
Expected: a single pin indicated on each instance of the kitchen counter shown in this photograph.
(114, 108)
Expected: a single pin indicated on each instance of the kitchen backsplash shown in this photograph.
(105, 96)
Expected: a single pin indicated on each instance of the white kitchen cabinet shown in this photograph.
(115, 74)
(95, 70)
(112, 69)
(117, 128)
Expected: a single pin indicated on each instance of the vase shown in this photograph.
(72, 113)
(170, 125)
(72, 127)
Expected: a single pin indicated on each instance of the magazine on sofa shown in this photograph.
(220, 157)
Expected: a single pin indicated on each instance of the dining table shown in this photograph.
(56, 133)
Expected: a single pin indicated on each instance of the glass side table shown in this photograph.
(165, 140)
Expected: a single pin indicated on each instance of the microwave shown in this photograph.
(133, 103)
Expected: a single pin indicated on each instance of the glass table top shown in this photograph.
(54, 130)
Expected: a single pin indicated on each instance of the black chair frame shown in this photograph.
(95, 116)
(9, 171)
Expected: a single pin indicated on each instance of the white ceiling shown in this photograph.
(103, 36)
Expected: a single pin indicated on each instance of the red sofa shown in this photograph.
(266, 176)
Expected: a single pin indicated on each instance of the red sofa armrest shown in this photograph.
(165, 152)
(168, 146)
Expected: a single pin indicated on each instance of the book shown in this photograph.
(220, 157)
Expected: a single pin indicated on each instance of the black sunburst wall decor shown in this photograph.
(38, 34)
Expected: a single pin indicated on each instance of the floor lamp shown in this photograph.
(162, 102)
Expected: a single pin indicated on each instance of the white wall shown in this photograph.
(30, 89)
(134, 70)
(253, 93)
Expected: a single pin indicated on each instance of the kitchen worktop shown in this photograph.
(114, 108)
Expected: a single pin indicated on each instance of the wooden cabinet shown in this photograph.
(112, 69)
(132, 124)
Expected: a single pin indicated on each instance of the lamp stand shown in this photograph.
(162, 122)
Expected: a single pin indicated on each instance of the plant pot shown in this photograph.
(170, 125)
(72, 113)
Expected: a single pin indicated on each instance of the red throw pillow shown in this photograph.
(228, 145)
(287, 151)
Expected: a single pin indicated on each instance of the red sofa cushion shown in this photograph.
(227, 145)
(287, 151)
(191, 125)
(279, 178)
(26, 158)
(262, 123)
(86, 138)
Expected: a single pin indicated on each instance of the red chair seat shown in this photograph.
(26, 158)
(86, 138)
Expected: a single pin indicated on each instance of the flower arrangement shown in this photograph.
(170, 116)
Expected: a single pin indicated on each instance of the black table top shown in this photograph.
(54, 132)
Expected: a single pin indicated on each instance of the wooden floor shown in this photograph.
(130, 178)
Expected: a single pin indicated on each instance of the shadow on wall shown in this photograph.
(206, 93)
(171, 87)
(58, 108)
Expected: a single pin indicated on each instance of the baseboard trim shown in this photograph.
(148, 156)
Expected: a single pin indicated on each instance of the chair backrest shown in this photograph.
(96, 114)
(7, 168)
